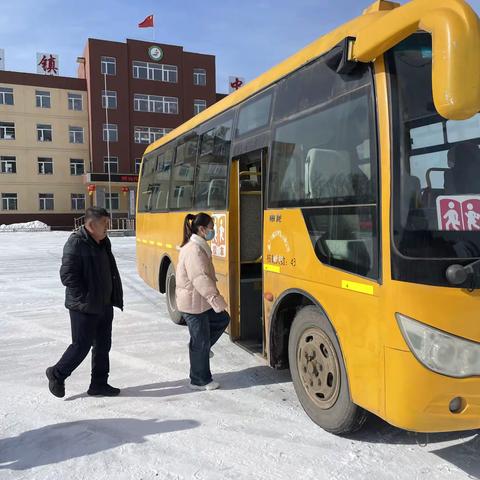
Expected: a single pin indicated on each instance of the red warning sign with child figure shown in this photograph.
(459, 213)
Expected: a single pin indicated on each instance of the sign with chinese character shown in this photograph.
(234, 83)
(219, 242)
(459, 213)
(47, 63)
(114, 177)
(2, 59)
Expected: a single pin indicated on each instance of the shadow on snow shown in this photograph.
(63, 441)
(465, 454)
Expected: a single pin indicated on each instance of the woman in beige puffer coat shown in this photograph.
(198, 298)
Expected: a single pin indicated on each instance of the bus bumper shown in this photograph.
(418, 399)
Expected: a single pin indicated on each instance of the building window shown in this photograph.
(115, 201)
(8, 164)
(42, 99)
(75, 101)
(78, 201)
(9, 201)
(155, 71)
(6, 96)
(109, 99)
(149, 134)
(7, 131)
(199, 76)
(44, 133)
(113, 162)
(109, 65)
(155, 104)
(199, 106)
(77, 166)
(46, 201)
(75, 134)
(45, 166)
(110, 132)
(138, 163)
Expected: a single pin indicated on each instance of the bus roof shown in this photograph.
(302, 57)
(453, 97)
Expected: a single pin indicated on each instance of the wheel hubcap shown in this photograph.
(318, 367)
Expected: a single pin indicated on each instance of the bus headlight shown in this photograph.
(439, 351)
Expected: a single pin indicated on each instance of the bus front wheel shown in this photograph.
(319, 374)
(175, 315)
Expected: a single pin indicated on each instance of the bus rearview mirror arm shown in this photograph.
(338, 58)
(459, 274)
(456, 94)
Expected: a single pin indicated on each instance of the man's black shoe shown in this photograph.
(55, 386)
(104, 390)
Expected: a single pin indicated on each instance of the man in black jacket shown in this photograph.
(93, 287)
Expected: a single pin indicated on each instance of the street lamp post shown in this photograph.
(108, 150)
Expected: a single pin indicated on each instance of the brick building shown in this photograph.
(131, 94)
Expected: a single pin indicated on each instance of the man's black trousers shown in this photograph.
(88, 331)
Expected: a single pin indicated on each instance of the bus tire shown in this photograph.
(175, 315)
(319, 374)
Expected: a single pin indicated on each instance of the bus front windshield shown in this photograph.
(436, 173)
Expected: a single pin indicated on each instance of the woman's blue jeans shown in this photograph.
(205, 329)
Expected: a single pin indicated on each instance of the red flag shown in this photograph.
(148, 22)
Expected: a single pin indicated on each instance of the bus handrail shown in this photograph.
(456, 94)
(433, 169)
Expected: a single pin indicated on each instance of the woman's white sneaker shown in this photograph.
(209, 386)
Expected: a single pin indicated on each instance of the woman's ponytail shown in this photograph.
(187, 228)
(191, 224)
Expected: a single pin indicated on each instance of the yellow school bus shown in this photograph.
(345, 188)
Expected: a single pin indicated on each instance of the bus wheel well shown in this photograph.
(162, 274)
(281, 323)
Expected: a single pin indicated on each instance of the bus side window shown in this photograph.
(147, 183)
(181, 186)
(330, 153)
(211, 176)
(161, 182)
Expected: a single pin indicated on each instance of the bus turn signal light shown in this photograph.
(268, 296)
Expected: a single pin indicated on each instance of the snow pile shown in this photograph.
(35, 226)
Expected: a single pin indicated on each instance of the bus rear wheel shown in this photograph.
(175, 315)
(319, 374)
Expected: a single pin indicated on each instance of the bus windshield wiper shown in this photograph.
(459, 274)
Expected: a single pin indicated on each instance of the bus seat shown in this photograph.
(429, 194)
(349, 255)
(410, 197)
(216, 193)
(359, 257)
(161, 200)
(328, 173)
(463, 177)
(184, 199)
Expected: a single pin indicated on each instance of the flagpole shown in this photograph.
(108, 150)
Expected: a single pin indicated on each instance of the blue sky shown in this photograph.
(246, 36)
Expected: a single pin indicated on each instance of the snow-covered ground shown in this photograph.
(253, 428)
